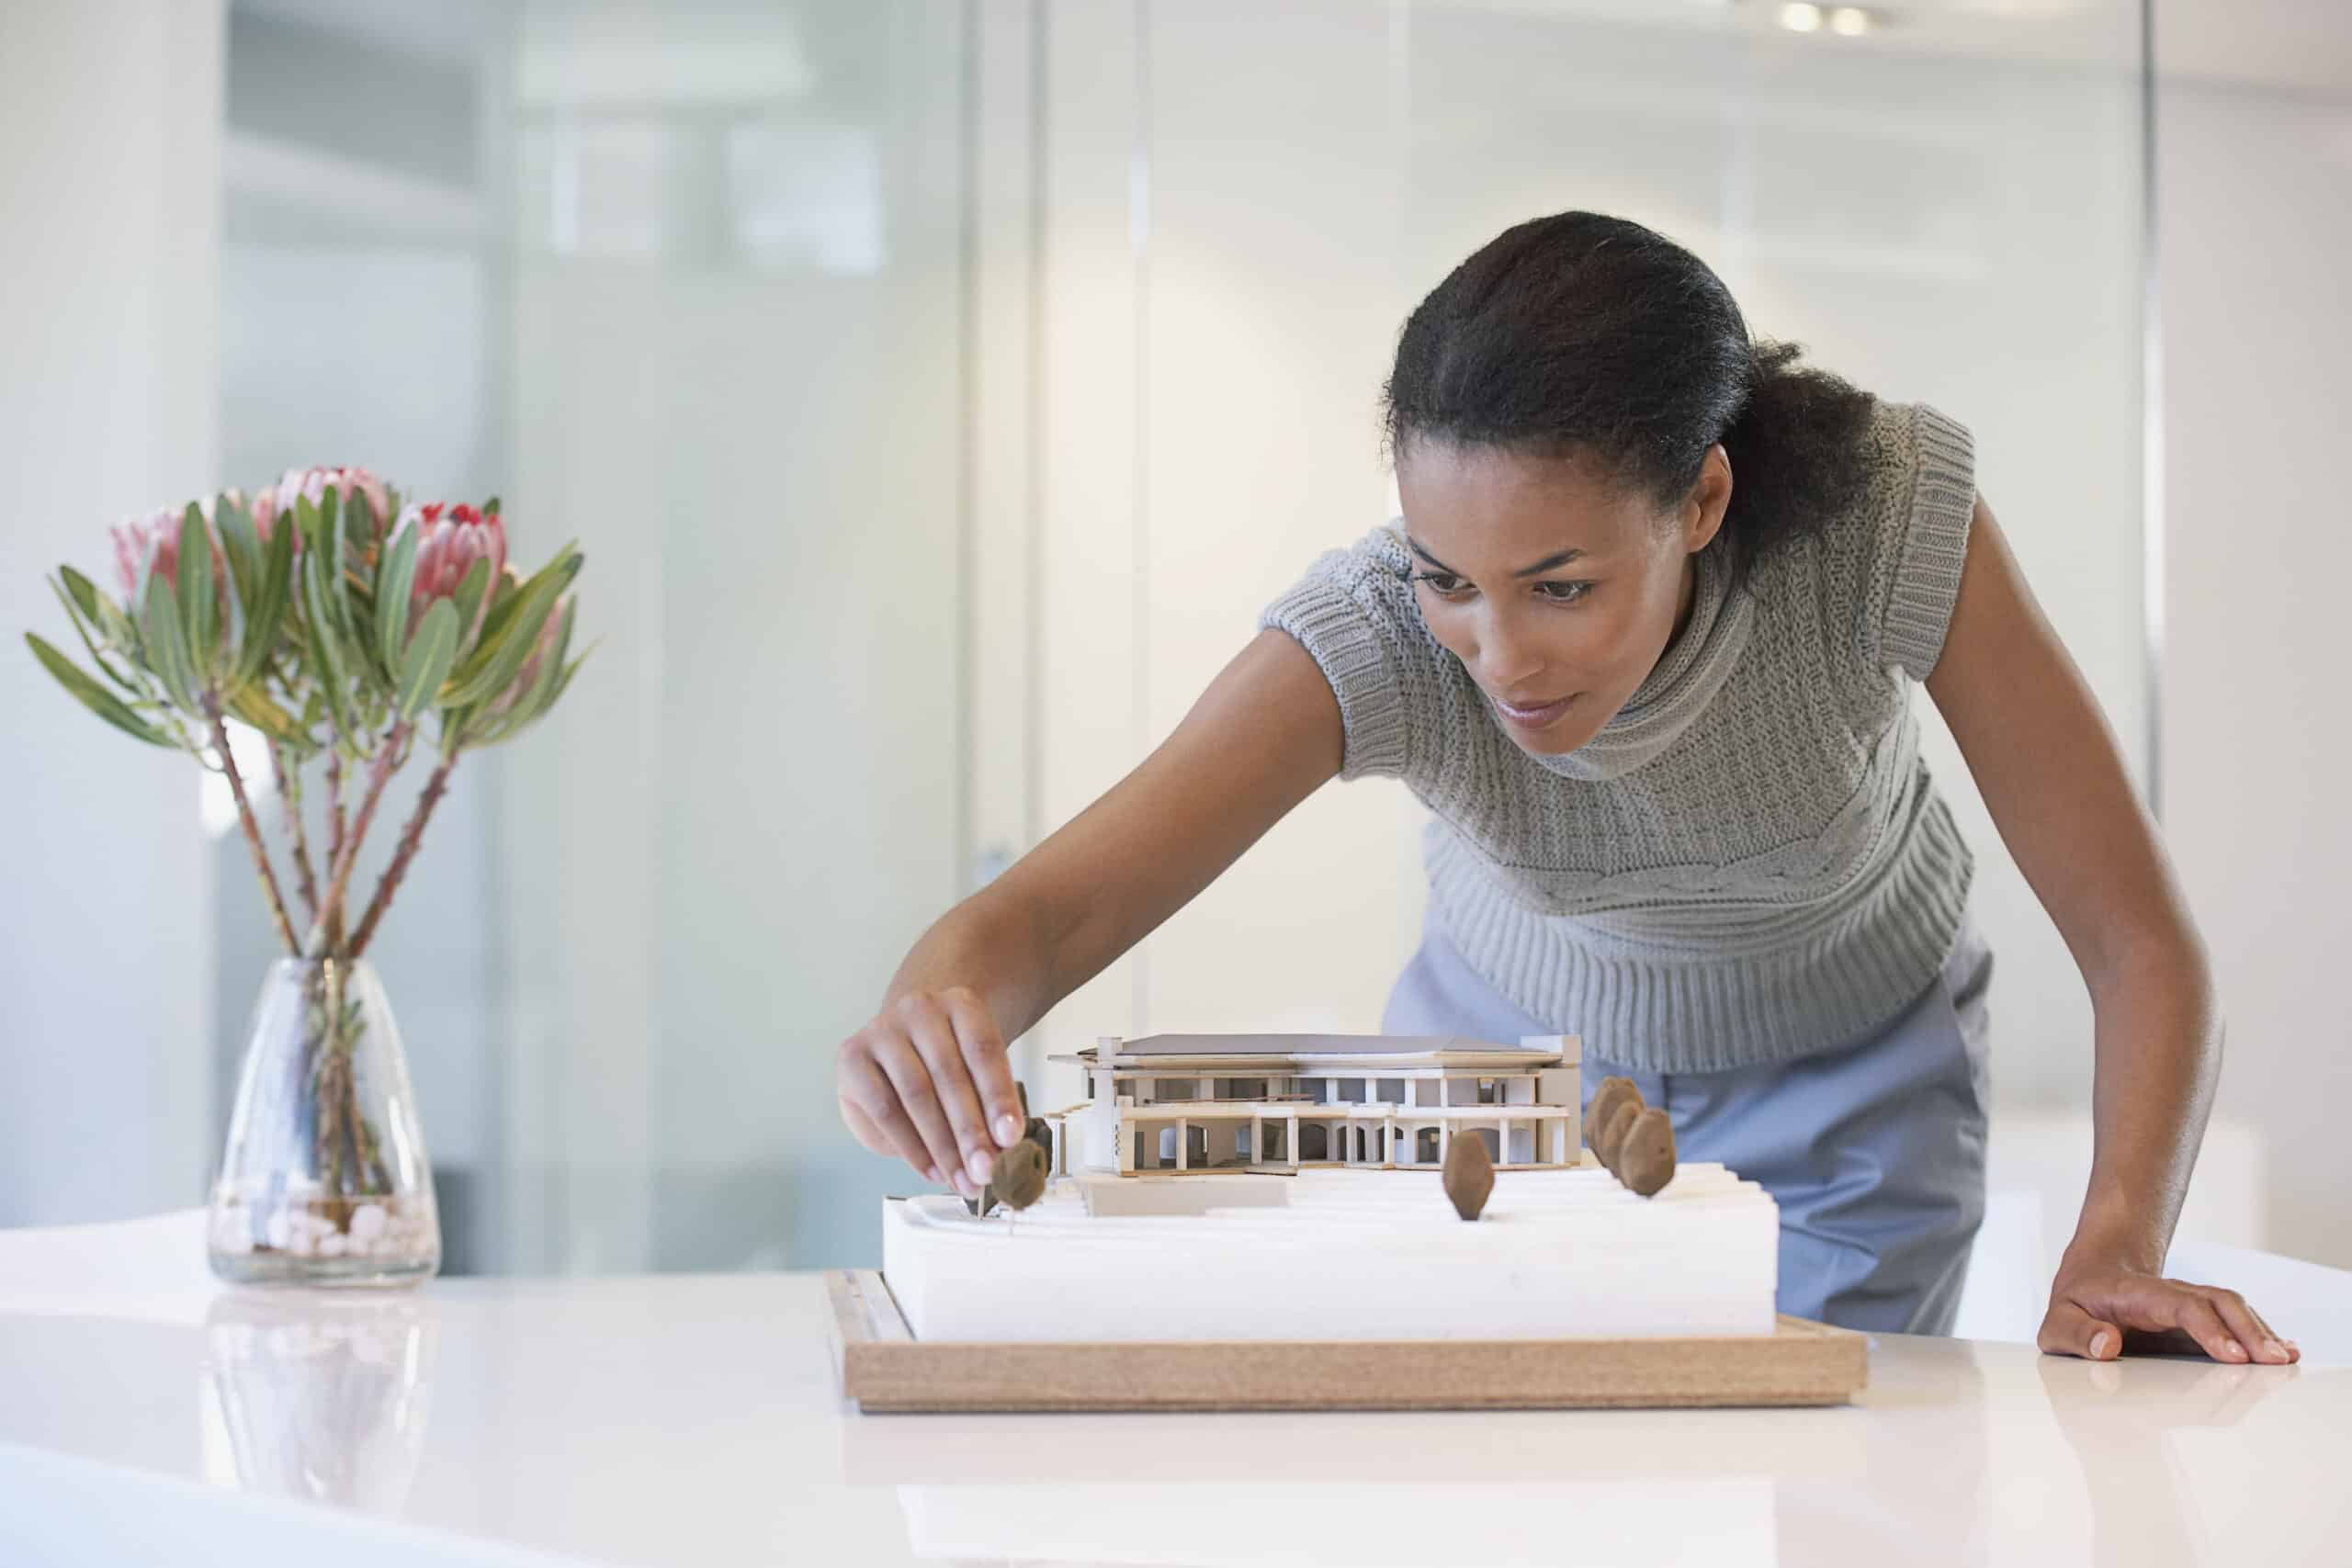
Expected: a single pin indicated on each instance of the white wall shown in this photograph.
(2255, 202)
(110, 112)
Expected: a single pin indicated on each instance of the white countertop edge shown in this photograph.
(73, 1510)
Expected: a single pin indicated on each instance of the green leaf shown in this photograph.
(255, 706)
(267, 612)
(94, 697)
(331, 520)
(306, 518)
(199, 610)
(530, 703)
(72, 614)
(359, 521)
(494, 665)
(567, 560)
(335, 676)
(394, 579)
(85, 595)
(331, 553)
(240, 553)
(568, 671)
(468, 598)
(116, 622)
(241, 543)
(427, 662)
(166, 647)
(513, 725)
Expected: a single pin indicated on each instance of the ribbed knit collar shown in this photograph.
(1686, 679)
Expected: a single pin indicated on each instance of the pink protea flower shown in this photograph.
(453, 539)
(158, 533)
(313, 483)
(263, 510)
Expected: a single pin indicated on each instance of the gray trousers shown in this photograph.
(1874, 1152)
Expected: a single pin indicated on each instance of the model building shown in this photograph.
(1278, 1104)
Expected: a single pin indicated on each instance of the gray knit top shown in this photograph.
(1749, 861)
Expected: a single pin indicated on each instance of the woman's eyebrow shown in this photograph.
(1546, 564)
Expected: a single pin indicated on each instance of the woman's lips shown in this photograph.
(1532, 718)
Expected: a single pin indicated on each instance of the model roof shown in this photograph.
(1283, 1047)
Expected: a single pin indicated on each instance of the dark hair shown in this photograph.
(1580, 332)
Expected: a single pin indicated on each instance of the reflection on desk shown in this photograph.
(697, 1419)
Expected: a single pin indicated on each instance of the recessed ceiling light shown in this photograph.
(1851, 20)
(1801, 18)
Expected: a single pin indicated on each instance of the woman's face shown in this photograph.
(1557, 587)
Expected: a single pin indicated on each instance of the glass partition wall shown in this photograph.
(939, 390)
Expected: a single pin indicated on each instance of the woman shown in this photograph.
(1643, 639)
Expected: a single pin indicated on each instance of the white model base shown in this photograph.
(1353, 1255)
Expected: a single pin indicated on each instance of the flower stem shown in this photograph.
(380, 773)
(333, 1069)
(411, 836)
(337, 824)
(289, 791)
(253, 828)
(334, 807)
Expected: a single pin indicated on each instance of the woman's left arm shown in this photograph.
(2050, 771)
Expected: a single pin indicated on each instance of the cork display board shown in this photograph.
(884, 1368)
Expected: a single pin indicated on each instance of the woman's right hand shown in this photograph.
(927, 1079)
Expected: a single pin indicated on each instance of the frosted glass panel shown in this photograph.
(683, 282)
(735, 318)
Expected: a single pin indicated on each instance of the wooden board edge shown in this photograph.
(884, 1369)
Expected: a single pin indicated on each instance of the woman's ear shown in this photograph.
(1702, 514)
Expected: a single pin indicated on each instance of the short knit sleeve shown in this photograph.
(1893, 562)
(1355, 613)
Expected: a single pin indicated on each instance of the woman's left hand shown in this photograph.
(2099, 1309)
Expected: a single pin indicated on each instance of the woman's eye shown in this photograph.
(1562, 592)
(1442, 584)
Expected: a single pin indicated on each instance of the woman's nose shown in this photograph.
(1507, 660)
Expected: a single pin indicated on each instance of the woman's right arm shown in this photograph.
(927, 1078)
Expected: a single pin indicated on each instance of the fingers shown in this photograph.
(2268, 1344)
(2068, 1330)
(927, 1023)
(929, 1080)
(2240, 1326)
(2094, 1317)
(870, 1105)
(902, 1064)
(2186, 1309)
(984, 1055)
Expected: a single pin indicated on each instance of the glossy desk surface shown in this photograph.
(696, 1420)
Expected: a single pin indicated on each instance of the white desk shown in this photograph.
(675, 1419)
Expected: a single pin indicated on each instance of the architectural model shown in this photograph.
(1171, 1104)
(1289, 1187)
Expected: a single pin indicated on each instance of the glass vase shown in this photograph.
(324, 1181)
